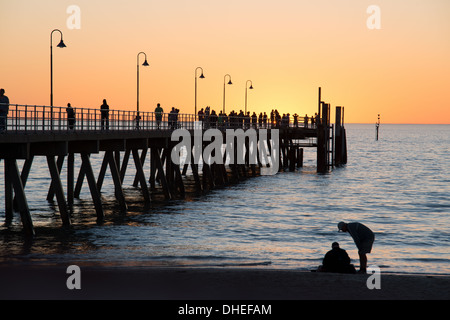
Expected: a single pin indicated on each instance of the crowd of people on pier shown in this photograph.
(211, 119)
(208, 117)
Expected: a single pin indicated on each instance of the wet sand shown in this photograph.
(154, 283)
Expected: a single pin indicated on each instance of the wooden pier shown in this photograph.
(34, 131)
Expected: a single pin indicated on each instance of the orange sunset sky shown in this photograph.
(287, 48)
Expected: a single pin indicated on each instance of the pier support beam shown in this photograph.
(8, 193)
(12, 171)
(142, 161)
(70, 178)
(160, 172)
(58, 189)
(51, 190)
(338, 138)
(323, 141)
(116, 178)
(87, 169)
(140, 176)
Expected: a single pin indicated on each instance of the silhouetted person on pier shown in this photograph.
(363, 238)
(306, 121)
(254, 120)
(241, 119)
(173, 118)
(4, 109)
(247, 120)
(277, 118)
(170, 118)
(70, 116)
(104, 110)
(295, 120)
(336, 260)
(201, 115)
(158, 115)
(265, 120)
(206, 116)
(285, 120)
(213, 119)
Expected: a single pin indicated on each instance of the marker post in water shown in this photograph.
(377, 127)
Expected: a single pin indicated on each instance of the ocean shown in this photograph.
(399, 186)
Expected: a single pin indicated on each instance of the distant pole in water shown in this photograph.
(377, 126)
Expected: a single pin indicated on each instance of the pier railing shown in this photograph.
(47, 119)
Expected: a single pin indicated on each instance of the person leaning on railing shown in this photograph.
(158, 115)
(70, 116)
(4, 108)
(104, 110)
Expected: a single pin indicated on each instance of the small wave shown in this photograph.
(434, 260)
(236, 264)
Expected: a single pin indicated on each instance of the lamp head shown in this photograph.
(229, 82)
(202, 76)
(251, 87)
(145, 63)
(61, 44)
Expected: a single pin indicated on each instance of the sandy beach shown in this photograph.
(155, 283)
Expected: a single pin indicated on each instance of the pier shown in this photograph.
(146, 141)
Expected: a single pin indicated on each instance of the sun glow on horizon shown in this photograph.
(287, 49)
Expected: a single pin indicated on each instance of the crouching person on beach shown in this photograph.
(363, 238)
(336, 260)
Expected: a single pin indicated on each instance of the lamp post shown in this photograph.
(60, 45)
(201, 77)
(246, 86)
(137, 100)
(224, 84)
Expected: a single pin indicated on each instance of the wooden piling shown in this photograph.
(322, 141)
(162, 178)
(12, 171)
(338, 138)
(58, 190)
(142, 160)
(51, 191)
(8, 193)
(124, 166)
(116, 179)
(70, 178)
(101, 175)
(95, 193)
(24, 176)
(140, 176)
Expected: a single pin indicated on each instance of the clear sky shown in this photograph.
(287, 48)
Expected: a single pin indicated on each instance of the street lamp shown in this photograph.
(60, 45)
(201, 77)
(246, 86)
(137, 100)
(224, 84)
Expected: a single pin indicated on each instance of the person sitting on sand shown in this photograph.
(363, 238)
(337, 260)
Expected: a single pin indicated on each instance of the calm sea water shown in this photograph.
(398, 186)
